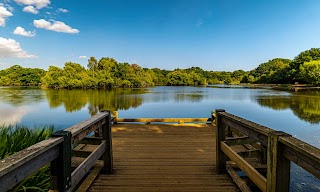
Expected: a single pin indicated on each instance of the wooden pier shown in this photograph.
(108, 153)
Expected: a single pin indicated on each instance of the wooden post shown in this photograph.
(98, 132)
(213, 118)
(116, 116)
(221, 158)
(278, 167)
(229, 132)
(61, 166)
(107, 135)
(263, 154)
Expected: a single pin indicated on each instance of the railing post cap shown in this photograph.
(279, 133)
(61, 133)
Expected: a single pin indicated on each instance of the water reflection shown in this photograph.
(13, 116)
(19, 96)
(96, 100)
(305, 104)
(193, 97)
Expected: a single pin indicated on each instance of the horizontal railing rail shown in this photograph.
(57, 151)
(276, 150)
(116, 119)
(17, 167)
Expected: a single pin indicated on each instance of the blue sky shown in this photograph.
(167, 34)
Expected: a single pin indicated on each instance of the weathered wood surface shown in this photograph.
(303, 154)
(249, 128)
(164, 120)
(278, 167)
(250, 171)
(85, 166)
(160, 157)
(22, 164)
(237, 179)
(81, 130)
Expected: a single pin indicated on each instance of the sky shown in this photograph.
(218, 35)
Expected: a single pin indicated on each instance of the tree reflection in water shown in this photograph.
(305, 104)
(97, 100)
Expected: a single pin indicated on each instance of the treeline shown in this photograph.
(108, 73)
(19, 76)
(304, 68)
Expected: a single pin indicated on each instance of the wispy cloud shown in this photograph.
(4, 14)
(12, 48)
(31, 9)
(63, 10)
(57, 26)
(83, 57)
(204, 18)
(23, 32)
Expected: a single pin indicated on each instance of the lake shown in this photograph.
(296, 112)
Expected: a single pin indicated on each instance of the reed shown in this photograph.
(17, 138)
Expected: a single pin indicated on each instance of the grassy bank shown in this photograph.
(17, 138)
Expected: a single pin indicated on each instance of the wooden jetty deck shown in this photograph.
(162, 157)
(106, 153)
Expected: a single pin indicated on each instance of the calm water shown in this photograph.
(295, 112)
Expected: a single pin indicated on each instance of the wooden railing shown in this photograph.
(116, 119)
(275, 150)
(57, 151)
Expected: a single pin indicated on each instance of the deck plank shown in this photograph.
(162, 157)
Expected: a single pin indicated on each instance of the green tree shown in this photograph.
(310, 72)
(305, 56)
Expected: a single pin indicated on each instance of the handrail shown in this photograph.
(18, 166)
(281, 147)
(116, 119)
(57, 151)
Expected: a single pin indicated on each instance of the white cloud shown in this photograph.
(23, 32)
(11, 48)
(38, 3)
(31, 9)
(57, 26)
(83, 57)
(4, 13)
(63, 10)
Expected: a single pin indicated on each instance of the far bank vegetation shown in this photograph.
(109, 73)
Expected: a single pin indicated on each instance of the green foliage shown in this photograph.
(19, 76)
(108, 73)
(183, 77)
(17, 138)
(273, 71)
(310, 72)
(305, 56)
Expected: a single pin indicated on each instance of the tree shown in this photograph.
(310, 72)
(92, 63)
(305, 56)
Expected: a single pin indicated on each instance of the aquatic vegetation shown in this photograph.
(17, 138)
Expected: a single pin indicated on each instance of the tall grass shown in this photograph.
(17, 138)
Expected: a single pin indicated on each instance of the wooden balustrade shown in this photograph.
(277, 151)
(57, 151)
